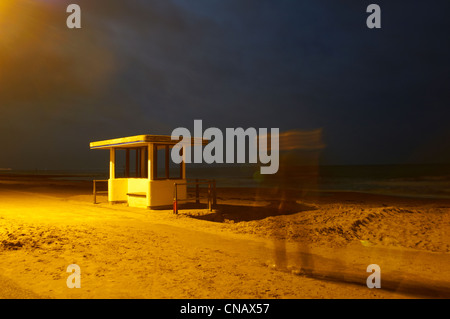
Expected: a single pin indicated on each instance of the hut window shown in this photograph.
(164, 168)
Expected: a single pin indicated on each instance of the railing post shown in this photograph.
(197, 192)
(95, 194)
(214, 193)
(209, 196)
(175, 195)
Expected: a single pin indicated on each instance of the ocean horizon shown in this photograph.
(421, 180)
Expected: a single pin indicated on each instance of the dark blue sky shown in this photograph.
(146, 67)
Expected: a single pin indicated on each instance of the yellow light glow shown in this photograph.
(11, 20)
(6, 7)
(21, 25)
(40, 56)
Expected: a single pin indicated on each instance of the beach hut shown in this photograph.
(151, 183)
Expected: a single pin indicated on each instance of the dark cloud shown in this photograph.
(136, 67)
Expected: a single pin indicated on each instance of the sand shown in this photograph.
(252, 245)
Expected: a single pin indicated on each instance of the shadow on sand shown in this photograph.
(244, 213)
(311, 265)
(330, 270)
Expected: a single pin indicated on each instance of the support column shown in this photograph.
(150, 162)
(145, 150)
(149, 173)
(143, 164)
(112, 163)
(112, 174)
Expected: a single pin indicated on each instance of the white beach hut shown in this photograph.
(152, 184)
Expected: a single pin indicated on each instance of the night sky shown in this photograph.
(381, 96)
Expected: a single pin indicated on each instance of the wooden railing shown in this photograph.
(211, 195)
(95, 191)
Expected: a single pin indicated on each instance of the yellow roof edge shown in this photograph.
(135, 140)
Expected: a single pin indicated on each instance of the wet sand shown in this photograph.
(316, 245)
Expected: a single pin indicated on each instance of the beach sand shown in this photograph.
(316, 245)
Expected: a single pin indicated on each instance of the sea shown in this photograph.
(419, 181)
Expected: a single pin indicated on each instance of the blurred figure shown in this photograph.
(298, 172)
(297, 177)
